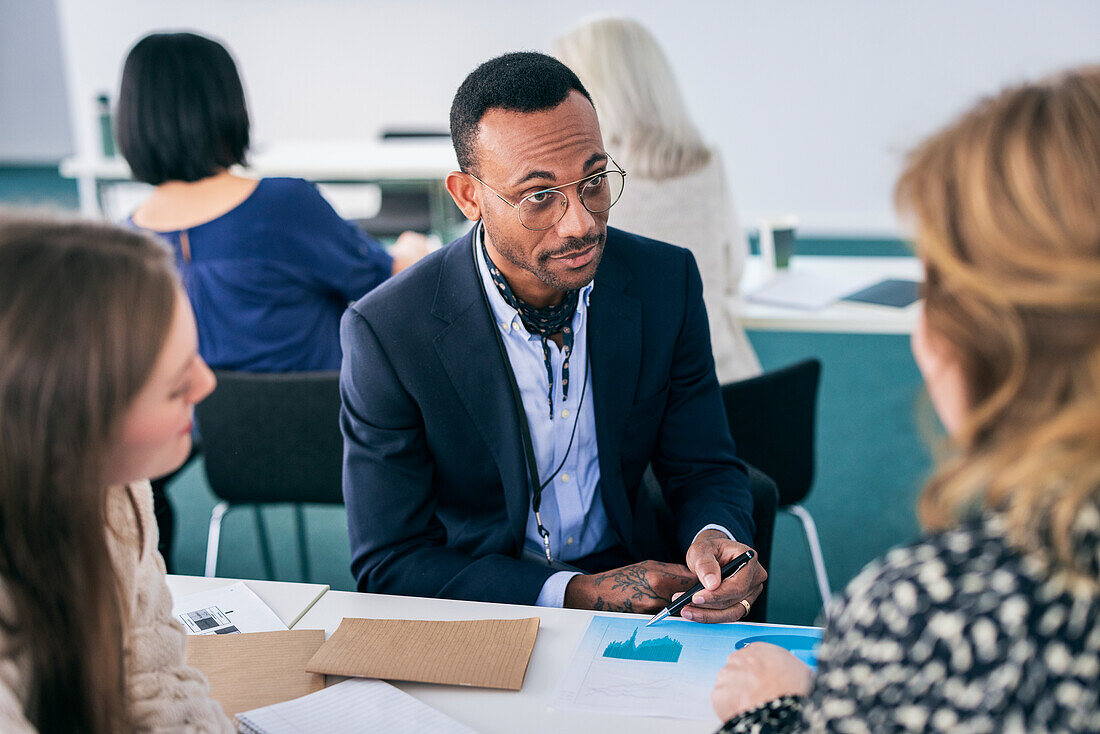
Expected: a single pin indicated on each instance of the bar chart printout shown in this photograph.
(664, 670)
(660, 650)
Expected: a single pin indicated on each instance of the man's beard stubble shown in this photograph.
(539, 269)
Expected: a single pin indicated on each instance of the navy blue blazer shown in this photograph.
(435, 481)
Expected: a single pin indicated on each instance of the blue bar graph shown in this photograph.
(660, 650)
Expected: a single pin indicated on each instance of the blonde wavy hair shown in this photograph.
(638, 102)
(1007, 208)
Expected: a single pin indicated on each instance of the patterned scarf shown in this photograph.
(542, 322)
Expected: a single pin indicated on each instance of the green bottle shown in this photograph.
(106, 126)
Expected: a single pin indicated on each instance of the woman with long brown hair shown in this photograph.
(992, 622)
(98, 376)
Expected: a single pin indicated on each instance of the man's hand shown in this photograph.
(756, 674)
(643, 588)
(720, 601)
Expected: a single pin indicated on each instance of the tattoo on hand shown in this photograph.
(600, 605)
(634, 581)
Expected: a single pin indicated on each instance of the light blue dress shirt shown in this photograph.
(572, 510)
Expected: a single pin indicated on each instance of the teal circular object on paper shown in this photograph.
(801, 646)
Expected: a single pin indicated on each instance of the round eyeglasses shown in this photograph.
(543, 209)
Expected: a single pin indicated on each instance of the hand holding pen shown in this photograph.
(722, 598)
(684, 599)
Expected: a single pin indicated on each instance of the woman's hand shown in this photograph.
(409, 247)
(756, 674)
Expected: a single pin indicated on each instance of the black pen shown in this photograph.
(727, 570)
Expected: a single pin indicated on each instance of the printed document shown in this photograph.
(228, 610)
(668, 669)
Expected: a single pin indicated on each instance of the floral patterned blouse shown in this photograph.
(958, 633)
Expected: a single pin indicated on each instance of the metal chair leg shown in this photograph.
(809, 528)
(303, 544)
(265, 548)
(213, 537)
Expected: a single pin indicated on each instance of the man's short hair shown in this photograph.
(523, 81)
(181, 109)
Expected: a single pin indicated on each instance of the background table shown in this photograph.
(288, 600)
(843, 316)
(105, 187)
(493, 711)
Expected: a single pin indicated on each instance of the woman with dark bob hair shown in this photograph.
(268, 265)
(992, 622)
(97, 389)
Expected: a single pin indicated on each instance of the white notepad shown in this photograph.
(356, 705)
(805, 291)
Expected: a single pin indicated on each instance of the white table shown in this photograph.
(493, 711)
(321, 160)
(415, 161)
(288, 600)
(841, 317)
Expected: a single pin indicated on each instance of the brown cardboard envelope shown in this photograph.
(485, 653)
(257, 669)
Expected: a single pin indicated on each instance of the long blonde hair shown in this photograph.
(638, 102)
(84, 311)
(1007, 209)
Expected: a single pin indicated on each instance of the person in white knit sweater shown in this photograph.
(678, 191)
(98, 379)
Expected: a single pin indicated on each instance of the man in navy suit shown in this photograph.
(503, 398)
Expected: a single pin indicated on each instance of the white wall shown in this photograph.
(34, 115)
(811, 103)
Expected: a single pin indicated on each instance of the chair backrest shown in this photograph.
(401, 209)
(772, 418)
(273, 437)
(655, 527)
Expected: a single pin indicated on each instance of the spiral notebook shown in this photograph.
(356, 705)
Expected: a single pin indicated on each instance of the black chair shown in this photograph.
(403, 208)
(771, 417)
(655, 534)
(271, 438)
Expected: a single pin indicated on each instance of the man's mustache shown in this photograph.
(576, 245)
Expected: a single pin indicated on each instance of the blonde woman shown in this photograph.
(99, 375)
(992, 623)
(678, 191)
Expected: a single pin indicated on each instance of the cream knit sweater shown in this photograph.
(696, 211)
(165, 694)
